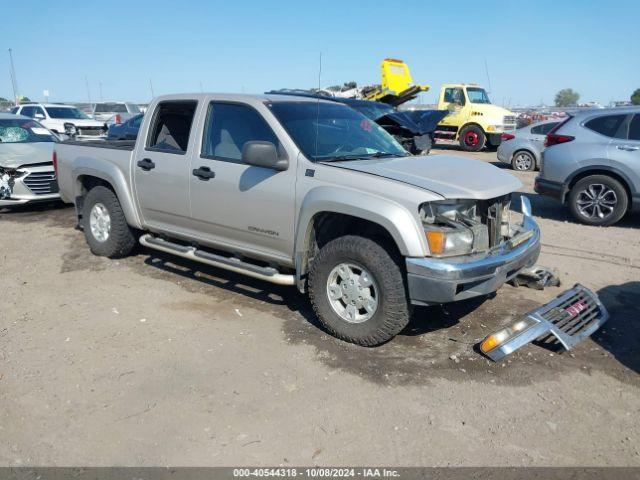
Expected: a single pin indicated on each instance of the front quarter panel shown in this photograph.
(393, 217)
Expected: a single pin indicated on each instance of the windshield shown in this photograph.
(477, 95)
(66, 112)
(325, 131)
(23, 131)
(372, 110)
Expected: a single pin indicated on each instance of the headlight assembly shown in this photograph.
(70, 129)
(453, 228)
(450, 241)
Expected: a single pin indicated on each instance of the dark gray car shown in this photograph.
(592, 163)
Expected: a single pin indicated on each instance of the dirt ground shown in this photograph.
(154, 360)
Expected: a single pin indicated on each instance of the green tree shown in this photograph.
(567, 98)
(635, 97)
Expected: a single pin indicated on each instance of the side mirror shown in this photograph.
(263, 154)
(39, 116)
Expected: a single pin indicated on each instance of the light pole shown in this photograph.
(14, 82)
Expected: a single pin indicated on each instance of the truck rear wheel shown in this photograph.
(357, 290)
(105, 226)
(472, 139)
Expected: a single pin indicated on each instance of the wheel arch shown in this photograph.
(324, 218)
(87, 177)
(600, 170)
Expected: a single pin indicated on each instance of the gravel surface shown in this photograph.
(154, 360)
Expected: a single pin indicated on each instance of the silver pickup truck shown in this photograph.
(303, 192)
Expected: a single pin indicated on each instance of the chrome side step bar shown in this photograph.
(268, 274)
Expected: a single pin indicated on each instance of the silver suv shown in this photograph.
(592, 163)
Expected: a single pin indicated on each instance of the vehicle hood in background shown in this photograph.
(80, 122)
(446, 175)
(14, 155)
(491, 111)
(418, 122)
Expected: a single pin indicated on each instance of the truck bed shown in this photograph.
(107, 159)
(117, 144)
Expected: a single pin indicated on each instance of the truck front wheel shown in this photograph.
(357, 290)
(104, 224)
(472, 139)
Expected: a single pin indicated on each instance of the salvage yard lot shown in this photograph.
(154, 360)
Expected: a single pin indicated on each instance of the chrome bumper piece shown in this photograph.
(441, 280)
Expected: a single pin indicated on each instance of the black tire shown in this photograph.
(475, 132)
(121, 240)
(393, 311)
(581, 191)
(520, 164)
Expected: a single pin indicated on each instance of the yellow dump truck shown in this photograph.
(472, 122)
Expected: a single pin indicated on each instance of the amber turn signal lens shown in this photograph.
(489, 344)
(436, 241)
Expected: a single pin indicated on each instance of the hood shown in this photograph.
(446, 175)
(80, 122)
(490, 111)
(14, 155)
(418, 122)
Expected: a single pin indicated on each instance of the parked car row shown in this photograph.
(588, 161)
(63, 119)
(591, 163)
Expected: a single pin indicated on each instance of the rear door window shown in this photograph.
(229, 126)
(634, 128)
(608, 125)
(171, 126)
(543, 129)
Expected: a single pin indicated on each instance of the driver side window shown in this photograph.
(229, 126)
(454, 95)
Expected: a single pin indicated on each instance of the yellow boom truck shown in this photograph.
(473, 121)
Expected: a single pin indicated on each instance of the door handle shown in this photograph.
(204, 173)
(146, 164)
(627, 148)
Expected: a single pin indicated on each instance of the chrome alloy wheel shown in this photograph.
(100, 222)
(523, 161)
(596, 200)
(352, 292)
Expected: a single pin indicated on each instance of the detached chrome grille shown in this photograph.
(41, 183)
(575, 313)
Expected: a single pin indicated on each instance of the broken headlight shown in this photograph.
(70, 129)
(6, 183)
(453, 228)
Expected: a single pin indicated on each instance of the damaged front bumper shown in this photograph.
(442, 280)
(568, 319)
(32, 183)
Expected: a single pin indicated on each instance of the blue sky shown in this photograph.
(532, 48)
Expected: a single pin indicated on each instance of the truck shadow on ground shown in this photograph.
(620, 336)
